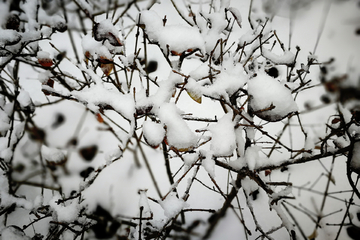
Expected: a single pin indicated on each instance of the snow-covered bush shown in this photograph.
(175, 120)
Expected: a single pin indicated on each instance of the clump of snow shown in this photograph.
(6, 154)
(176, 38)
(240, 141)
(266, 92)
(98, 95)
(189, 160)
(178, 133)
(8, 37)
(113, 154)
(236, 13)
(143, 202)
(284, 192)
(52, 154)
(253, 158)
(249, 185)
(106, 30)
(66, 212)
(13, 232)
(154, 133)
(164, 92)
(6, 199)
(287, 58)
(42, 55)
(223, 141)
(226, 83)
(208, 163)
(172, 205)
(24, 99)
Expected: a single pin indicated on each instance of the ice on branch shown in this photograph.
(269, 99)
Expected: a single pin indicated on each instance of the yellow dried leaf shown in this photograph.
(196, 97)
(313, 235)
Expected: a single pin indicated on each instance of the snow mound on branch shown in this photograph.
(176, 38)
(223, 141)
(172, 205)
(13, 233)
(98, 96)
(253, 158)
(269, 99)
(224, 84)
(154, 133)
(68, 213)
(178, 133)
(287, 58)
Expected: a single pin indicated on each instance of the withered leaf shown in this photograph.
(89, 152)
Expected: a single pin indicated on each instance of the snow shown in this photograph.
(106, 30)
(6, 199)
(208, 163)
(178, 133)
(189, 160)
(52, 154)
(13, 233)
(143, 202)
(112, 155)
(98, 95)
(24, 99)
(226, 83)
(253, 158)
(9, 37)
(264, 92)
(249, 185)
(176, 38)
(236, 13)
(223, 140)
(164, 120)
(67, 213)
(154, 133)
(172, 205)
(288, 58)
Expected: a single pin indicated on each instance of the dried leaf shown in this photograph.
(99, 118)
(335, 120)
(89, 152)
(106, 65)
(313, 235)
(195, 96)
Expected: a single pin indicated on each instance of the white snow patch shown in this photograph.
(223, 141)
(172, 205)
(154, 133)
(67, 213)
(176, 38)
(287, 58)
(265, 92)
(178, 133)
